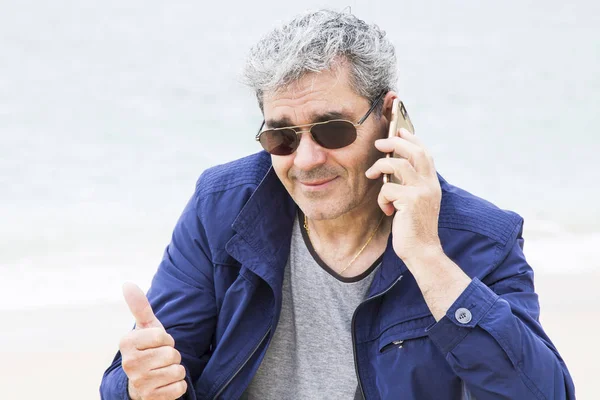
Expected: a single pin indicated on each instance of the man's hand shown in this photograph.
(415, 195)
(148, 353)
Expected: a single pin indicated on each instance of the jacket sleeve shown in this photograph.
(492, 338)
(182, 297)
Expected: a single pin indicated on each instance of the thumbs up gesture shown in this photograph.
(148, 353)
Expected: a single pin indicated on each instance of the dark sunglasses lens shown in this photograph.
(280, 142)
(334, 134)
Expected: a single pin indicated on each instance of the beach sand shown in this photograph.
(61, 353)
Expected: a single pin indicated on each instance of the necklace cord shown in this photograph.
(361, 249)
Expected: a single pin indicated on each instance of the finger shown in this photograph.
(390, 193)
(165, 383)
(152, 338)
(140, 307)
(173, 391)
(405, 134)
(400, 206)
(403, 172)
(416, 155)
(159, 357)
(166, 375)
(165, 355)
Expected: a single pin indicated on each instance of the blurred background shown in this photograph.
(109, 112)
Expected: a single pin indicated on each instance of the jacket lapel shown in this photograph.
(263, 232)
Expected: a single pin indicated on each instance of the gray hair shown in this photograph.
(318, 41)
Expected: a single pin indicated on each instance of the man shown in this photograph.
(299, 274)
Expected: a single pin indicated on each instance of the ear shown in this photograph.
(388, 100)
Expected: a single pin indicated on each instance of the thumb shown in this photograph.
(140, 307)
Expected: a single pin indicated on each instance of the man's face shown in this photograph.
(325, 183)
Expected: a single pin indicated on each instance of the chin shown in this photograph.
(322, 209)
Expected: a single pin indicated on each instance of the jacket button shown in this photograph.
(463, 315)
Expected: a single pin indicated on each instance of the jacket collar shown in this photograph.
(264, 231)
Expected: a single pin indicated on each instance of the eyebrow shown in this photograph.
(327, 116)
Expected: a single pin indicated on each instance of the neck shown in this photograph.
(348, 233)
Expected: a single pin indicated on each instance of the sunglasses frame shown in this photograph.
(308, 127)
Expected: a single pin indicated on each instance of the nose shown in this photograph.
(309, 154)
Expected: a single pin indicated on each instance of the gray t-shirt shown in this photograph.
(311, 355)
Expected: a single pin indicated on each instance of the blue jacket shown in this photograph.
(218, 289)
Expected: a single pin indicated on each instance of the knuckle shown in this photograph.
(139, 338)
(158, 338)
(382, 193)
(389, 188)
(386, 192)
(169, 339)
(129, 365)
(160, 354)
(181, 388)
(172, 372)
(402, 164)
(134, 380)
(126, 341)
(176, 355)
(141, 386)
(163, 338)
(180, 371)
(176, 390)
(142, 392)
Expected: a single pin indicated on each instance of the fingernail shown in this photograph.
(404, 131)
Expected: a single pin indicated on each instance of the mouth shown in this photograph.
(317, 185)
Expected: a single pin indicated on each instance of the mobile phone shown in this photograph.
(400, 119)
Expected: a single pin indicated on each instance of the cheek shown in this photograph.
(282, 165)
(366, 142)
(362, 161)
(355, 169)
(371, 156)
(365, 157)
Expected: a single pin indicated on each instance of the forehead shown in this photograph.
(313, 95)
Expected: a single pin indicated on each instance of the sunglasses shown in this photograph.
(333, 134)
